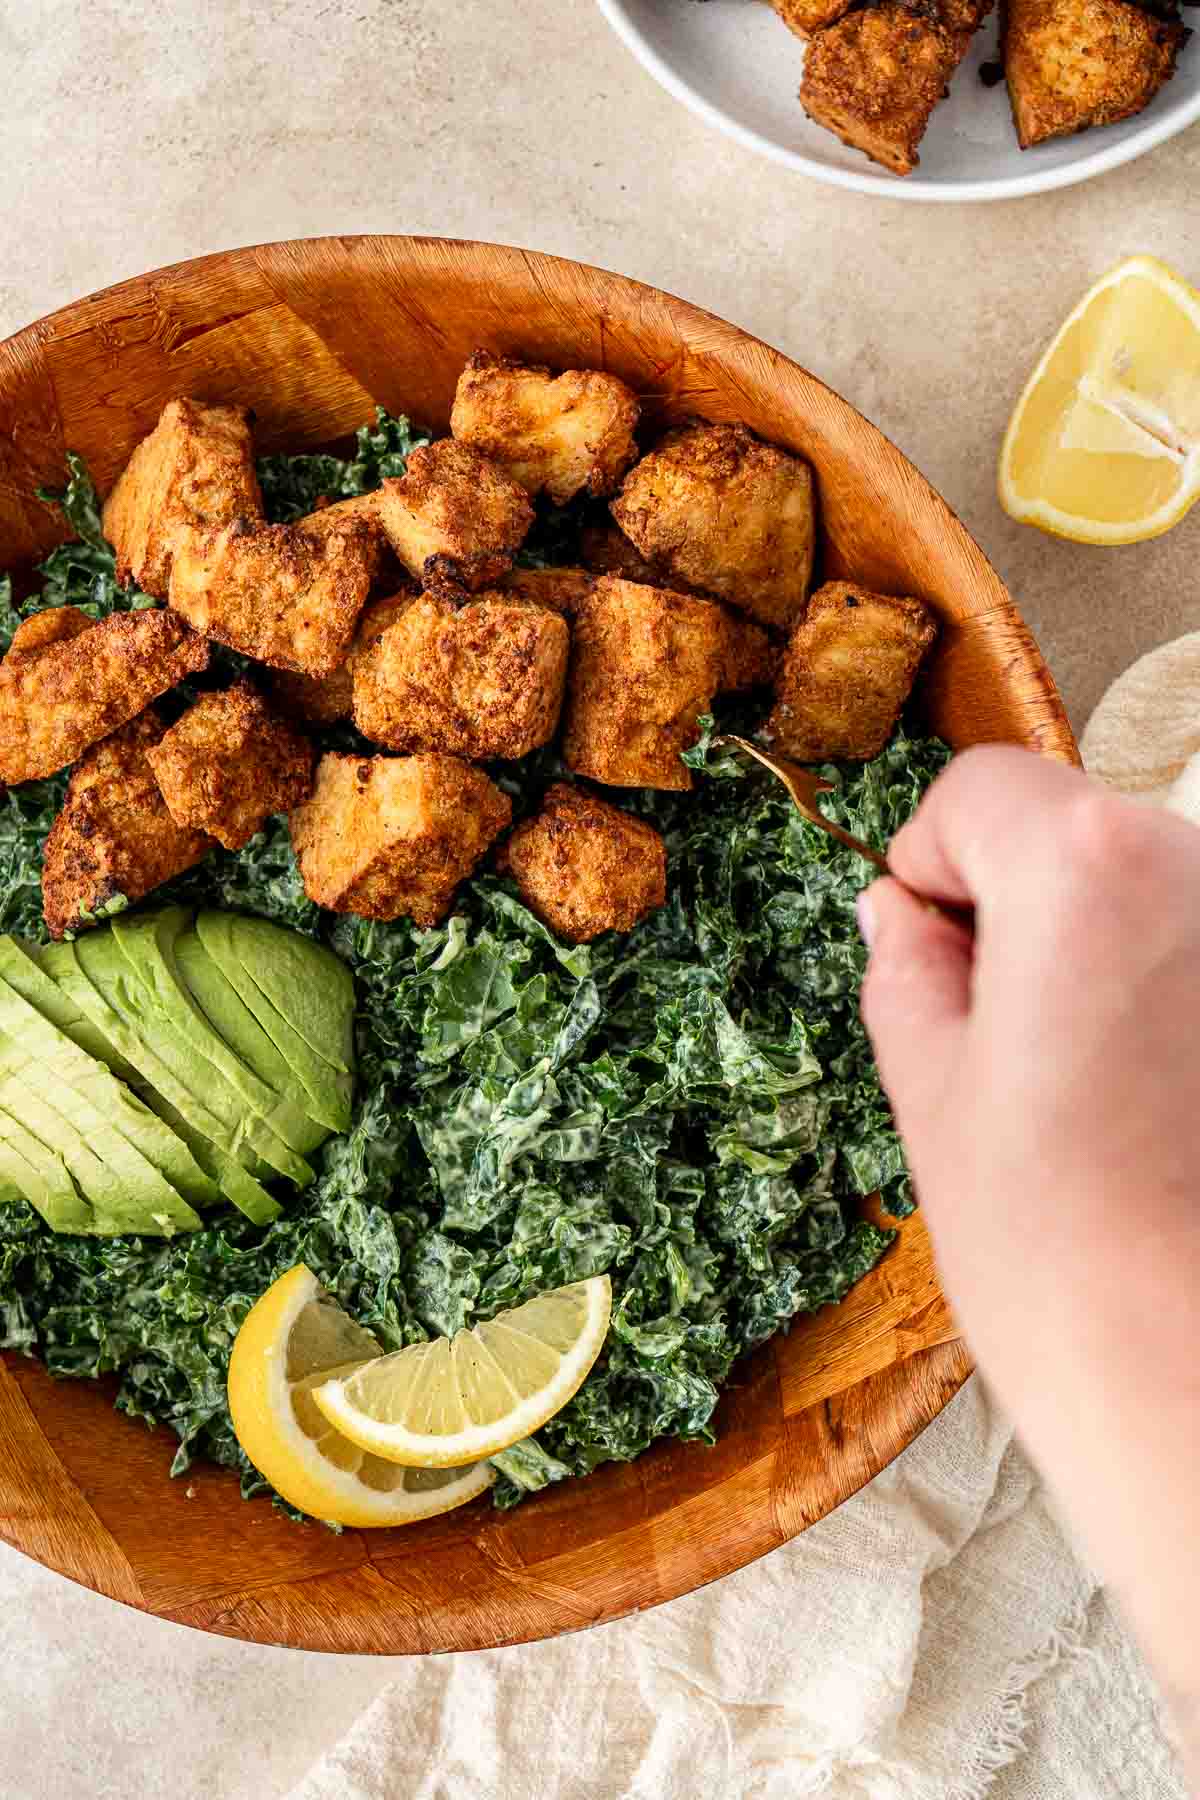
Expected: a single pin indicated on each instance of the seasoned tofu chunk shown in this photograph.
(584, 866)
(807, 17)
(847, 672)
(1076, 63)
(392, 836)
(605, 550)
(561, 589)
(722, 512)
(560, 435)
(68, 681)
(645, 665)
(750, 658)
(455, 519)
(874, 78)
(288, 595)
(481, 680)
(195, 472)
(229, 763)
(324, 699)
(114, 836)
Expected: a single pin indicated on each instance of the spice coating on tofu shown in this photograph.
(324, 699)
(846, 673)
(560, 435)
(1072, 64)
(481, 680)
(229, 763)
(287, 595)
(875, 77)
(195, 472)
(392, 836)
(561, 589)
(64, 685)
(645, 665)
(723, 512)
(114, 835)
(584, 866)
(454, 518)
(805, 17)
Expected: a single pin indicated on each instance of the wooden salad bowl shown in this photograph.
(311, 334)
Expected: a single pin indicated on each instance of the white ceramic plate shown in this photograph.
(737, 65)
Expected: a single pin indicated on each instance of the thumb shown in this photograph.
(915, 998)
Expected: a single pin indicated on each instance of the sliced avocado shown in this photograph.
(42, 1178)
(160, 1090)
(232, 1020)
(328, 1088)
(306, 983)
(51, 960)
(45, 1023)
(83, 1096)
(134, 969)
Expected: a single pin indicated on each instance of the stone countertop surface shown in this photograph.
(138, 132)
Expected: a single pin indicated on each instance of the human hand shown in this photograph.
(1046, 1080)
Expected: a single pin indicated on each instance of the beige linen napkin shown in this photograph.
(935, 1639)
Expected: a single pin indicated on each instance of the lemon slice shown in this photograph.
(293, 1339)
(1104, 444)
(474, 1394)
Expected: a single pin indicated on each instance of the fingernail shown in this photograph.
(864, 906)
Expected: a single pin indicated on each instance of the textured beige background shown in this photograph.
(134, 132)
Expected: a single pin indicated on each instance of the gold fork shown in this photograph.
(804, 787)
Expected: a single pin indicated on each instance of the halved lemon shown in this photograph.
(1104, 443)
(294, 1338)
(471, 1395)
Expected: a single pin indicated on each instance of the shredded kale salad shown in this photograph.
(692, 1107)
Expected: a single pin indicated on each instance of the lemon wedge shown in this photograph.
(1104, 443)
(455, 1399)
(293, 1339)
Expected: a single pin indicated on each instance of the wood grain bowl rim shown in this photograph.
(371, 1595)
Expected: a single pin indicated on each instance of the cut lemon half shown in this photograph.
(455, 1399)
(1104, 444)
(294, 1338)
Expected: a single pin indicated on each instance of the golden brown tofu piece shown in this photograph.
(645, 665)
(720, 511)
(58, 694)
(561, 589)
(195, 472)
(481, 680)
(392, 836)
(560, 435)
(605, 550)
(846, 673)
(288, 595)
(324, 699)
(750, 658)
(455, 519)
(874, 78)
(807, 17)
(1072, 64)
(229, 763)
(114, 835)
(584, 866)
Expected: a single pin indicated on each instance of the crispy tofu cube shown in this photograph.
(114, 835)
(455, 519)
(560, 435)
(724, 513)
(195, 472)
(392, 836)
(605, 550)
(750, 658)
(874, 78)
(68, 681)
(287, 595)
(807, 17)
(481, 680)
(846, 673)
(324, 699)
(229, 763)
(1072, 64)
(561, 589)
(645, 666)
(584, 866)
